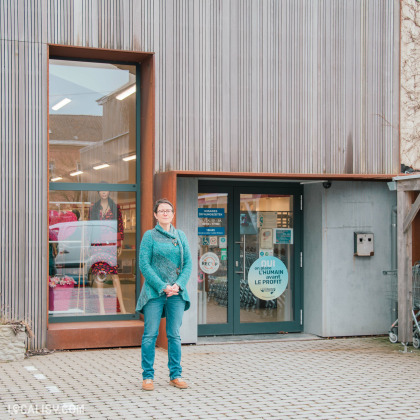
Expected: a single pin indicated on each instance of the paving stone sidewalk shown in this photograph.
(357, 378)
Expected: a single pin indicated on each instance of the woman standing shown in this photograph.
(165, 262)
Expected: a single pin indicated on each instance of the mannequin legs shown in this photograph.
(117, 287)
(100, 286)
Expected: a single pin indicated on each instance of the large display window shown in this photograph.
(92, 242)
(93, 210)
(92, 122)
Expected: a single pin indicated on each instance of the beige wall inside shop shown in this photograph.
(268, 203)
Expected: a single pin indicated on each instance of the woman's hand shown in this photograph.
(171, 290)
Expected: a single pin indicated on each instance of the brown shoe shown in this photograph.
(178, 383)
(148, 385)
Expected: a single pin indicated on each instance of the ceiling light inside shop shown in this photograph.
(76, 173)
(127, 158)
(56, 179)
(102, 166)
(60, 104)
(126, 93)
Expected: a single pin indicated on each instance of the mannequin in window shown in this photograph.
(106, 246)
(53, 254)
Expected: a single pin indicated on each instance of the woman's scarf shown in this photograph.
(174, 235)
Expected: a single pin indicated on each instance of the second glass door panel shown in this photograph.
(266, 230)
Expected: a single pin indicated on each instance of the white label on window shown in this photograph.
(209, 263)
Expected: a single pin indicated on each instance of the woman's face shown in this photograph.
(164, 214)
(104, 194)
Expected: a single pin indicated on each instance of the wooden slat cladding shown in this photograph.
(23, 184)
(23, 20)
(292, 86)
(278, 86)
(95, 23)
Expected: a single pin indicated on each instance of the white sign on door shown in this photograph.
(209, 263)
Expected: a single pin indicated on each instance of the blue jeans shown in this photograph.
(174, 308)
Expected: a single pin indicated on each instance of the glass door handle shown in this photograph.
(239, 242)
(239, 272)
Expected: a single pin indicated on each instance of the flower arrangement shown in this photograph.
(60, 292)
(61, 281)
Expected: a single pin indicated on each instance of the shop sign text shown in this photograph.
(268, 278)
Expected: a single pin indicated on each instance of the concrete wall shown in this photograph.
(344, 295)
(186, 220)
(352, 293)
(312, 250)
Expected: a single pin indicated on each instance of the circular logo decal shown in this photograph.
(209, 262)
(268, 278)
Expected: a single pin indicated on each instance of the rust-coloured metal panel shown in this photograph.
(165, 187)
(416, 234)
(301, 177)
(147, 146)
(90, 335)
(98, 54)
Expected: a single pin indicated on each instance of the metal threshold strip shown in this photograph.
(236, 339)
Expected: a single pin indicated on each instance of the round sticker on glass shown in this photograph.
(209, 262)
(268, 278)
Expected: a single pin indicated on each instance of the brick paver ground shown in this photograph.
(358, 378)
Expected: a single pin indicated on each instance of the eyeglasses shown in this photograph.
(165, 211)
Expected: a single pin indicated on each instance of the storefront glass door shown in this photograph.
(249, 274)
(214, 267)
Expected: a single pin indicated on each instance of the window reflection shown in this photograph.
(92, 122)
(92, 252)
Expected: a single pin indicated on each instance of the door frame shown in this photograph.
(234, 189)
(227, 328)
(271, 327)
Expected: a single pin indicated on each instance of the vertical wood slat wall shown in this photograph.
(23, 162)
(278, 86)
(293, 86)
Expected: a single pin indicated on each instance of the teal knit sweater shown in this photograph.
(161, 256)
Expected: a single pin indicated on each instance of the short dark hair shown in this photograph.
(162, 201)
(77, 213)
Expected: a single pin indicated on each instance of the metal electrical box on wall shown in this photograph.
(363, 244)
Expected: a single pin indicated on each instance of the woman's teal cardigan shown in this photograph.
(164, 258)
